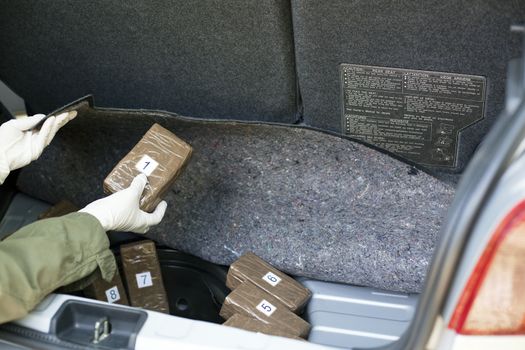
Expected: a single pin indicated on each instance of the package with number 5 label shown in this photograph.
(251, 268)
(143, 276)
(161, 156)
(251, 301)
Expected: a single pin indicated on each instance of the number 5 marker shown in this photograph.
(266, 308)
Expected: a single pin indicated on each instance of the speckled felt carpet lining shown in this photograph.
(310, 203)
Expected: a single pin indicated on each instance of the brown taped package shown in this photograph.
(112, 292)
(161, 156)
(251, 268)
(255, 325)
(61, 208)
(249, 300)
(143, 276)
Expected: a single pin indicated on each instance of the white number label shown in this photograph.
(266, 308)
(112, 294)
(144, 279)
(146, 165)
(272, 279)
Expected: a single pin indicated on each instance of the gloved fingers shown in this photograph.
(40, 140)
(51, 134)
(152, 219)
(27, 123)
(59, 121)
(64, 118)
(137, 185)
(142, 229)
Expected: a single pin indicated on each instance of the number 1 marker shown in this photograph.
(146, 165)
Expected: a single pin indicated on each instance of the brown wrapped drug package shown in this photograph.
(161, 156)
(255, 325)
(143, 276)
(250, 301)
(111, 292)
(63, 207)
(251, 268)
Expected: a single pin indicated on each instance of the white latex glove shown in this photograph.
(120, 211)
(20, 143)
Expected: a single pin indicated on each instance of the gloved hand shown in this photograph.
(20, 143)
(120, 211)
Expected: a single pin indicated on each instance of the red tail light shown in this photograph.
(493, 301)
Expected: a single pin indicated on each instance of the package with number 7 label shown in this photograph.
(161, 156)
(249, 300)
(143, 276)
(251, 268)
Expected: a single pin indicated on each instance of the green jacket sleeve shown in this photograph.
(46, 255)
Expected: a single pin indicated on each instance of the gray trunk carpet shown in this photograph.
(310, 203)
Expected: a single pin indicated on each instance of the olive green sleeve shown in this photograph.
(46, 255)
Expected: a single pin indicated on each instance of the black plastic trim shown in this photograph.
(76, 319)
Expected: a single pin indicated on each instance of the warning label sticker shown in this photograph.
(416, 114)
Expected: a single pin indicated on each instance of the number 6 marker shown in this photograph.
(272, 279)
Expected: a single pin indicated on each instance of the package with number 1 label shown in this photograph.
(143, 276)
(251, 268)
(251, 301)
(161, 156)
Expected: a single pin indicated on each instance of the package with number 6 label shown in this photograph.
(161, 156)
(251, 268)
(250, 301)
(111, 292)
(143, 276)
